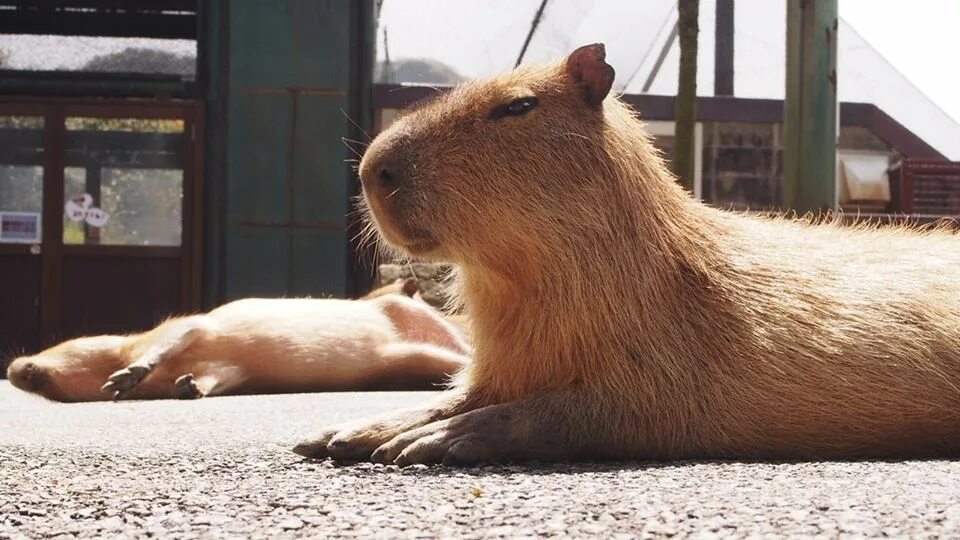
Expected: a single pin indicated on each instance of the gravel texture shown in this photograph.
(221, 467)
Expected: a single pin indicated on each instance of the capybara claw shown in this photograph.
(343, 449)
(123, 381)
(311, 449)
(315, 448)
(185, 387)
(380, 455)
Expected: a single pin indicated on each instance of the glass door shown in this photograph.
(22, 165)
(128, 227)
(99, 230)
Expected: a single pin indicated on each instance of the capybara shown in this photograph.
(383, 341)
(616, 317)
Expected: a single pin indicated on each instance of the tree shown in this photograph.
(143, 60)
(419, 70)
(685, 106)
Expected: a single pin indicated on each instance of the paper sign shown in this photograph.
(79, 208)
(85, 200)
(74, 211)
(95, 217)
(20, 227)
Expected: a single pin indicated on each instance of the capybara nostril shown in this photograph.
(24, 375)
(388, 178)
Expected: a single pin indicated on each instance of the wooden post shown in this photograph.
(723, 49)
(810, 107)
(685, 108)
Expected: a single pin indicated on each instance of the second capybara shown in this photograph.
(616, 317)
(384, 341)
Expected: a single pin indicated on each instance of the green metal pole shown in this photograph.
(810, 107)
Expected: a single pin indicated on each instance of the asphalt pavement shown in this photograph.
(221, 467)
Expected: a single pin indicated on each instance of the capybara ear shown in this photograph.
(589, 71)
(410, 287)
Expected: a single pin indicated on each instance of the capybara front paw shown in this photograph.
(185, 387)
(123, 381)
(345, 444)
(448, 442)
(315, 447)
(356, 442)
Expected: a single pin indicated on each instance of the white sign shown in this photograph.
(20, 227)
(96, 217)
(79, 208)
(74, 211)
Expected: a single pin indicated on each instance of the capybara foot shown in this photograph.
(185, 387)
(517, 431)
(356, 442)
(123, 381)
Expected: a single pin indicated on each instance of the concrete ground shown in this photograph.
(221, 467)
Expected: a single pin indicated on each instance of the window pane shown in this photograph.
(123, 181)
(21, 179)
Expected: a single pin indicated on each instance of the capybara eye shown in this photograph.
(517, 107)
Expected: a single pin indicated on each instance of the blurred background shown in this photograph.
(163, 156)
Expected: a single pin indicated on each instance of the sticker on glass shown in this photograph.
(20, 227)
(80, 208)
(97, 217)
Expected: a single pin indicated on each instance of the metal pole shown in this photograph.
(810, 107)
(660, 58)
(533, 28)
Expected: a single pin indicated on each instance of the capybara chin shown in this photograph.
(614, 316)
(385, 341)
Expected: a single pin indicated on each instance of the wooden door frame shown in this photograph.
(54, 112)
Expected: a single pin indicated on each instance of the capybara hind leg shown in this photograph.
(409, 366)
(357, 441)
(185, 387)
(210, 380)
(536, 429)
(166, 341)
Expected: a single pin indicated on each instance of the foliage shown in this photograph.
(143, 60)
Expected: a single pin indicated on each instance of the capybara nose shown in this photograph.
(388, 178)
(384, 174)
(24, 374)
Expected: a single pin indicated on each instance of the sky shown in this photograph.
(899, 55)
(920, 38)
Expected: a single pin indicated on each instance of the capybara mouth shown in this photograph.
(419, 241)
(413, 240)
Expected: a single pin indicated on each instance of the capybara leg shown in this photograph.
(357, 441)
(185, 387)
(417, 365)
(171, 339)
(536, 429)
(208, 380)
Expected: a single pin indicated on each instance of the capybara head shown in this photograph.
(454, 178)
(407, 287)
(72, 371)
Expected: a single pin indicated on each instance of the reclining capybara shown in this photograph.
(616, 317)
(385, 341)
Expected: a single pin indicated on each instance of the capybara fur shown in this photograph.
(386, 341)
(616, 317)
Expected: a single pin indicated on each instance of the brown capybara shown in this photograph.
(713, 334)
(384, 341)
